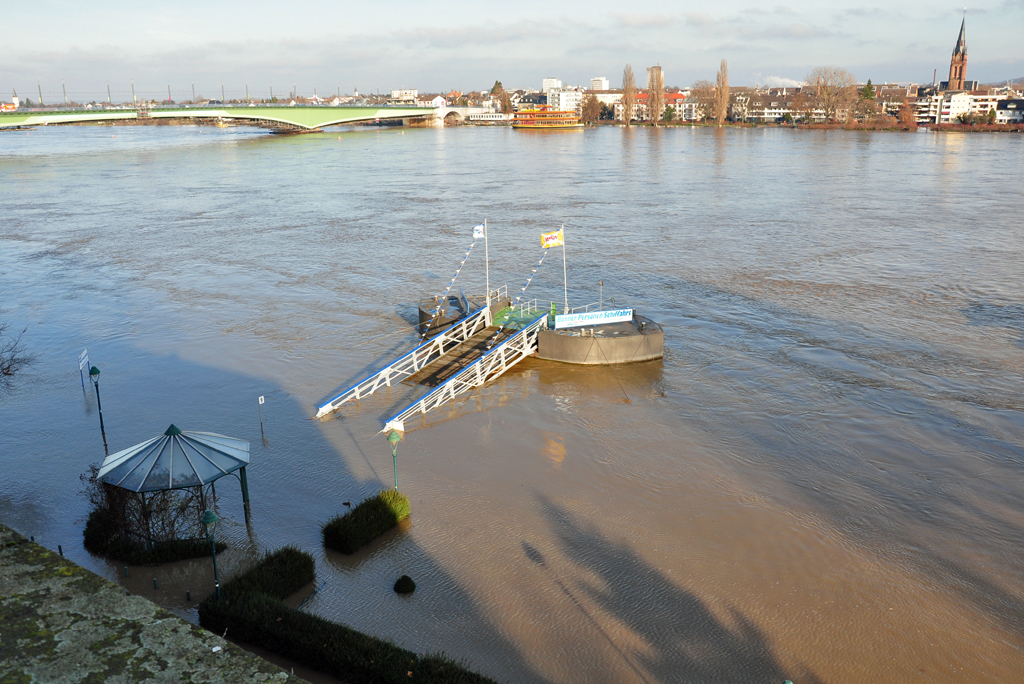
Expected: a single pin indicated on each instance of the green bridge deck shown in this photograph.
(304, 117)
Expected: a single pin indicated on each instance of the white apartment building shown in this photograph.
(550, 83)
(599, 83)
(565, 99)
(607, 97)
(948, 106)
(404, 95)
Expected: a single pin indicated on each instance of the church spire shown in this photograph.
(961, 42)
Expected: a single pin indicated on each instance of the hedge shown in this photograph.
(251, 611)
(368, 520)
(101, 537)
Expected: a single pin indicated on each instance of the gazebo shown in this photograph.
(178, 460)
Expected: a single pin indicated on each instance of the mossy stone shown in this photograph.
(405, 585)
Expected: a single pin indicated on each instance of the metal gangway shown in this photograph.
(490, 365)
(413, 362)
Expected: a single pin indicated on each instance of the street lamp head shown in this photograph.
(94, 374)
(394, 437)
(209, 520)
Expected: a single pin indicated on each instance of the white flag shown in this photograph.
(478, 231)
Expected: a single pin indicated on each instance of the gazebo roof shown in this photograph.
(175, 460)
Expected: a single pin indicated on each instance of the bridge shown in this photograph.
(295, 118)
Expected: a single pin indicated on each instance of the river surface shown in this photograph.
(823, 480)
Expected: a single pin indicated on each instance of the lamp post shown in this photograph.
(394, 437)
(94, 375)
(209, 520)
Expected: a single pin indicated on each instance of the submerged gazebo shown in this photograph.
(178, 460)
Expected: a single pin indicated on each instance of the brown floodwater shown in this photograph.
(821, 481)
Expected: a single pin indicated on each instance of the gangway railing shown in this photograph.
(491, 365)
(431, 350)
(545, 305)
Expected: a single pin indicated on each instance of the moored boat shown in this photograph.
(544, 117)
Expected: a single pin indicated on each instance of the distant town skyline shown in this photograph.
(458, 44)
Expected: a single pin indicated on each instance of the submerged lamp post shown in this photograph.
(209, 520)
(394, 437)
(94, 375)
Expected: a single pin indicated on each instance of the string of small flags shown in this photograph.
(444, 298)
(512, 308)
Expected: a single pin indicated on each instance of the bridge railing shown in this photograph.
(488, 367)
(428, 352)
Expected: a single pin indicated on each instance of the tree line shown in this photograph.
(830, 93)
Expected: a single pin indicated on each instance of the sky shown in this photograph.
(467, 45)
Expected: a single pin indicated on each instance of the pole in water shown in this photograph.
(133, 91)
(168, 92)
(222, 93)
(193, 92)
(246, 90)
(261, 418)
(60, 550)
(600, 304)
(487, 270)
(108, 94)
(65, 91)
(565, 281)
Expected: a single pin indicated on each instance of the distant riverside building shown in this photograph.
(404, 95)
(565, 99)
(599, 83)
(1010, 111)
(434, 101)
(607, 97)
(550, 83)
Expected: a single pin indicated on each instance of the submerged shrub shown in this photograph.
(103, 537)
(405, 585)
(251, 609)
(373, 517)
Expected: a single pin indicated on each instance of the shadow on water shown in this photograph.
(296, 483)
(997, 316)
(682, 640)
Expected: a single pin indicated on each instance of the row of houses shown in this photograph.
(928, 104)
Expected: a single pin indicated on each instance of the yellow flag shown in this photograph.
(555, 239)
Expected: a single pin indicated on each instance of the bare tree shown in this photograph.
(655, 93)
(722, 93)
(628, 94)
(591, 109)
(834, 89)
(506, 102)
(704, 93)
(802, 106)
(13, 357)
(907, 116)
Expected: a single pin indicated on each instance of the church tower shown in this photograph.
(958, 64)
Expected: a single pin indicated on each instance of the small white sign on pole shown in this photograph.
(261, 401)
(593, 318)
(83, 359)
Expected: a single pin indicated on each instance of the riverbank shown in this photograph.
(852, 126)
(62, 622)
